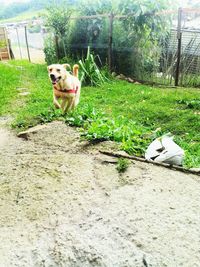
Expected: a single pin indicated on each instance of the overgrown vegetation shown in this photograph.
(122, 165)
(132, 115)
(136, 39)
(90, 72)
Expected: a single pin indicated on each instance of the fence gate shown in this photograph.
(4, 46)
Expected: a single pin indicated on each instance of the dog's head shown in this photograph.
(57, 72)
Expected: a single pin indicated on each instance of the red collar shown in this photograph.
(67, 91)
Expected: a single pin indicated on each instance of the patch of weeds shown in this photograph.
(191, 104)
(95, 125)
(48, 116)
(122, 165)
(83, 116)
(26, 120)
(90, 73)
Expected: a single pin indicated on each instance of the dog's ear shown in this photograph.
(66, 66)
(49, 68)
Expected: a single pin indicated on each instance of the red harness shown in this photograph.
(67, 91)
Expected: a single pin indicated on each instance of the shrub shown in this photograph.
(90, 73)
(50, 51)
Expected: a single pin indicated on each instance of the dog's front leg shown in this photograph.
(64, 104)
(69, 105)
(55, 102)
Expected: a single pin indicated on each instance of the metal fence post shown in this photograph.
(20, 51)
(111, 18)
(26, 38)
(179, 35)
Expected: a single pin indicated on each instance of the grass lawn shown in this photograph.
(131, 114)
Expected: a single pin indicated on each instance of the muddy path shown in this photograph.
(64, 204)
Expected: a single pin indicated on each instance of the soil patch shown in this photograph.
(62, 203)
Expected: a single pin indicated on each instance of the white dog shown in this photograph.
(66, 86)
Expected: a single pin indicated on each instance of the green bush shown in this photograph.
(50, 51)
(34, 29)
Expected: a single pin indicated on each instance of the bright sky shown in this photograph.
(182, 3)
(6, 2)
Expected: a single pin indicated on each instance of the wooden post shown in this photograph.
(20, 51)
(179, 35)
(10, 50)
(57, 47)
(111, 18)
(7, 43)
(26, 38)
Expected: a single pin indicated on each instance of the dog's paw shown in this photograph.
(56, 106)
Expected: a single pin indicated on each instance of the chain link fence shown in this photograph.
(27, 42)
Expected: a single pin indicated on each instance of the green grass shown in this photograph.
(24, 16)
(130, 114)
(10, 79)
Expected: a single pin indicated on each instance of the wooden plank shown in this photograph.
(4, 51)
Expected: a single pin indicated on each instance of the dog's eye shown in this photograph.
(58, 70)
(50, 70)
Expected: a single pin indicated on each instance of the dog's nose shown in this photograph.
(52, 76)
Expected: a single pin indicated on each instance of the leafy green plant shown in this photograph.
(90, 73)
(57, 21)
(96, 125)
(57, 18)
(191, 104)
(50, 51)
(122, 165)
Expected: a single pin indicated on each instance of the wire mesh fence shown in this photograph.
(171, 59)
(190, 47)
(26, 43)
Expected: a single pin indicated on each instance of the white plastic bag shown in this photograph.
(165, 150)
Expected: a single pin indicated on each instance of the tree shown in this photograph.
(57, 20)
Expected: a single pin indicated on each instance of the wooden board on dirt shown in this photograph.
(4, 45)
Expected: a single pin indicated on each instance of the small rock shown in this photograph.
(24, 93)
(114, 74)
(121, 77)
(137, 83)
(130, 80)
(22, 89)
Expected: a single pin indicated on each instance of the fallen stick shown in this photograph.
(172, 167)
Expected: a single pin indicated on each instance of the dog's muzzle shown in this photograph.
(54, 79)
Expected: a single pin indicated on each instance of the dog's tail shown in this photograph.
(75, 70)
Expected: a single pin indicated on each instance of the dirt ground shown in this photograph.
(36, 55)
(64, 204)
